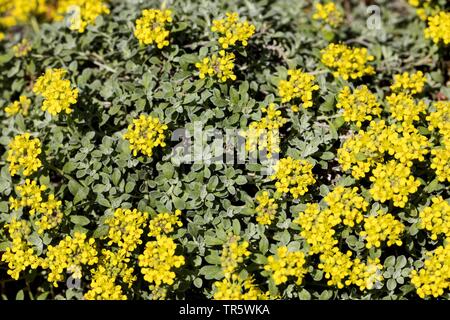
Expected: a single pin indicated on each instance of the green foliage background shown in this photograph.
(90, 167)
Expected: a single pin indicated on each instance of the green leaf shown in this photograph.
(304, 295)
(211, 272)
(20, 295)
(391, 284)
(80, 220)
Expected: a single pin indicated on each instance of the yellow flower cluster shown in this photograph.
(440, 119)
(346, 202)
(436, 218)
(158, 259)
(317, 227)
(20, 255)
(403, 108)
(81, 12)
(21, 49)
(112, 267)
(286, 264)
(17, 12)
(336, 265)
(300, 85)
(362, 151)
(264, 134)
(151, 27)
(164, 223)
(441, 162)
(341, 270)
(423, 8)
(293, 176)
(409, 145)
(359, 105)
(220, 66)
(236, 288)
(231, 30)
(126, 227)
(438, 26)
(23, 155)
(347, 62)
(266, 209)
(30, 197)
(393, 181)
(329, 13)
(233, 253)
(70, 254)
(103, 287)
(57, 92)
(434, 278)
(409, 83)
(22, 106)
(144, 134)
(380, 228)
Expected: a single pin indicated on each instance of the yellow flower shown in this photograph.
(70, 254)
(440, 119)
(57, 92)
(233, 253)
(220, 66)
(22, 106)
(293, 176)
(408, 145)
(346, 202)
(286, 264)
(29, 195)
(158, 260)
(393, 181)
(23, 155)
(341, 270)
(409, 83)
(365, 275)
(380, 228)
(164, 223)
(300, 85)
(22, 49)
(329, 13)
(48, 213)
(434, 277)
(362, 151)
(436, 218)
(336, 265)
(144, 134)
(151, 27)
(440, 162)
(125, 228)
(317, 227)
(438, 26)
(231, 30)
(16, 12)
(81, 12)
(403, 107)
(20, 254)
(266, 209)
(113, 267)
(347, 62)
(264, 134)
(237, 288)
(359, 106)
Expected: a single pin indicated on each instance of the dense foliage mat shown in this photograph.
(224, 149)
